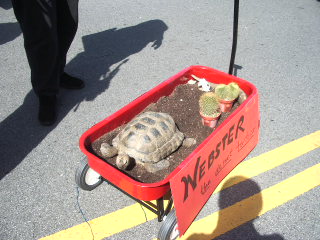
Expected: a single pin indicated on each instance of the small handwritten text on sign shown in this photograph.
(217, 156)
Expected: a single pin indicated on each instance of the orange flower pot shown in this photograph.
(210, 121)
(226, 105)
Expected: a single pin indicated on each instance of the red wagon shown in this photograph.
(91, 173)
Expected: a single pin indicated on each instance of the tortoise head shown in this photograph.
(122, 161)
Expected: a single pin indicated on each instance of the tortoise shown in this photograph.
(149, 138)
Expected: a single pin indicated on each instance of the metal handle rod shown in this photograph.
(235, 35)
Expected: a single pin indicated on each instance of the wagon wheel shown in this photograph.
(86, 178)
(169, 228)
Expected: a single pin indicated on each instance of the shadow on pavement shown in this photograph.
(236, 68)
(229, 197)
(6, 4)
(20, 132)
(9, 32)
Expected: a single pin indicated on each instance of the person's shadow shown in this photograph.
(230, 213)
(11, 30)
(6, 4)
(20, 132)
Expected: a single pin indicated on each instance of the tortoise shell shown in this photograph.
(149, 138)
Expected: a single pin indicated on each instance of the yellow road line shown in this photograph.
(107, 225)
(248, 209)
(272, 159)
(133, 215)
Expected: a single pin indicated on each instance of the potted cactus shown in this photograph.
(227, 94)
(209, 109)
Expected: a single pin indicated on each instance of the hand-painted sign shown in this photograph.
(221, 152)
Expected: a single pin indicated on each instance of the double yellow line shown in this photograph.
(274, 196)
(248, 209)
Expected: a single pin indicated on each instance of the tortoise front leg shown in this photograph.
(188, 142)
(107, 150)
(122, 161)
(155, 167)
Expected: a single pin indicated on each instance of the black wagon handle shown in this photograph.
(235, 35)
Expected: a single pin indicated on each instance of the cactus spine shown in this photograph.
(228, 92)
(209, 105)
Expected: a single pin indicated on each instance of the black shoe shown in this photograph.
(69, 82)
(47, 110)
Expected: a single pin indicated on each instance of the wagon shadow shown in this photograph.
(229, 216)
(20, 132)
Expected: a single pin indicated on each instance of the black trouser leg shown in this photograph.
(48, 28)
(67, 24)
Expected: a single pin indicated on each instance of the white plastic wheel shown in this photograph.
(169, 228)
(92, 177)
(87, 178)
(175, 233)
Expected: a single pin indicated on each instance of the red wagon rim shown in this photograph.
(248, 88)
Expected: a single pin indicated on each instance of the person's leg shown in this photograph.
(67, 24)
(37, 19)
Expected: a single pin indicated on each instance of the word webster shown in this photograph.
(202, 167)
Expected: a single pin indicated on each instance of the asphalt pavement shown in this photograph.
(123, 49)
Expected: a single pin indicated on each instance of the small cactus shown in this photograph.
(228, 92)
(209, 105)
